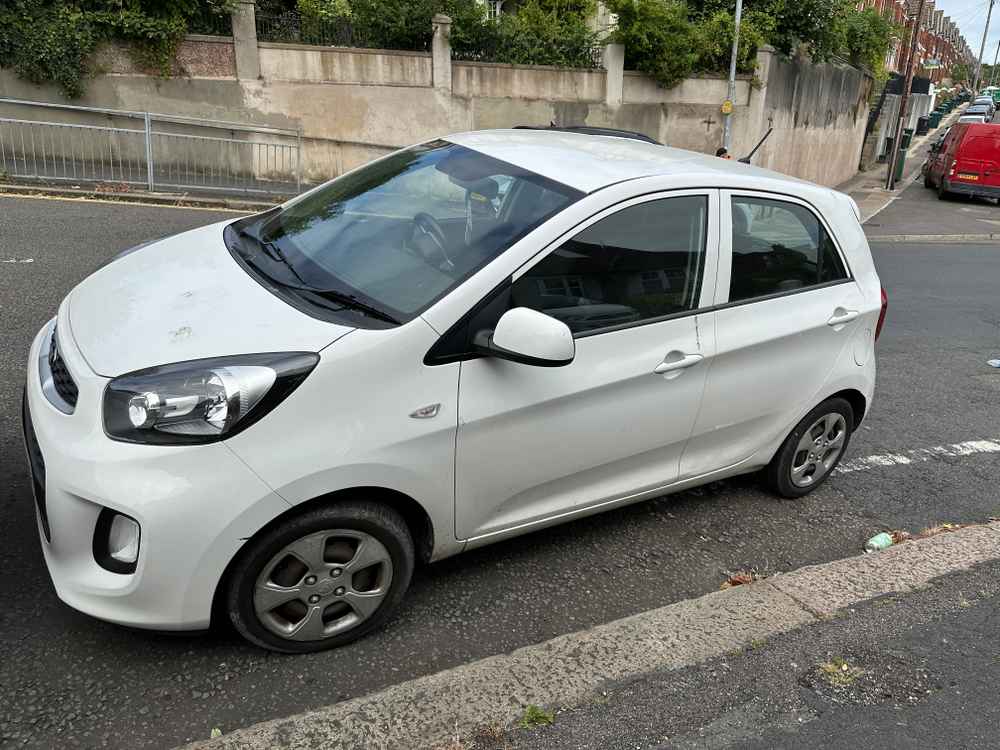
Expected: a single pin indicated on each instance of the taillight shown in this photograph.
(881, 314)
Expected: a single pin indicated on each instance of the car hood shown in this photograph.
(183, 297)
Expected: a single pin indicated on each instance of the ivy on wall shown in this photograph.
(52, 41)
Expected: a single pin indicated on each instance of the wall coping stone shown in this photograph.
(211, 38)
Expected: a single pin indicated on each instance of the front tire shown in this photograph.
(321, 579)
(812, 450)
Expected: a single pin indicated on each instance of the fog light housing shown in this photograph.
(116, 542)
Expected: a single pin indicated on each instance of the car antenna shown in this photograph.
(746, 159)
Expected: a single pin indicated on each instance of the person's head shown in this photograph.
(722, 152)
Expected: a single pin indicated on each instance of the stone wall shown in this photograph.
(819, 114)
(353, 105)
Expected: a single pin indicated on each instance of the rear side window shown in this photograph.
(779, 247)
(641, 263)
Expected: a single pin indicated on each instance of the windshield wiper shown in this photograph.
(348, 300)
(274, 252)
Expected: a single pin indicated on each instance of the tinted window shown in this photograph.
(403, 231)
(640, 263)
(779, 247)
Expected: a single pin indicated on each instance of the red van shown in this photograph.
(967, 161)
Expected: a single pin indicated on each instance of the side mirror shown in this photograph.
(529, 337)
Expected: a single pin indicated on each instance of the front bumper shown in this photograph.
(195, 506)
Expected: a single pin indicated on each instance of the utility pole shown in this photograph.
(727, 108)
(982, 49)
(904, 99)
(993, 71)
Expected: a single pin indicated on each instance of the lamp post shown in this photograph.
(727, 108)
(993, 72)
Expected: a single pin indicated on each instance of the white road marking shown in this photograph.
(17, 260)
(919, 455)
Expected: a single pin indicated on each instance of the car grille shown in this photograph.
(36, 465)
(61, 379)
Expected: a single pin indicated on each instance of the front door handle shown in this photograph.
(841, 316)
(688, 360)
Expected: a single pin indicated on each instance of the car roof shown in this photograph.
(590, 162)
(981, 128)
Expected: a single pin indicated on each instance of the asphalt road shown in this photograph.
(922, 671)
(922, 212)
(71, 681)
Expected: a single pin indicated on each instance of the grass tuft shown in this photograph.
(535, 717)
(839, 673)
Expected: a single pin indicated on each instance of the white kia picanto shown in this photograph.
(276, 418)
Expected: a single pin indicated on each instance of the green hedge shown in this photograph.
(52, 41)
(671, 39)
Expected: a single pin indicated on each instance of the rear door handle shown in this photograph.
(841, 316)
(688, 360)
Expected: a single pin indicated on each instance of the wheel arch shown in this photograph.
(417, 519)
(858, 402)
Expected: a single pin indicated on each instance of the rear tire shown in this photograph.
(812, 450)
(927, 181)
(942, 191)
(321, 579)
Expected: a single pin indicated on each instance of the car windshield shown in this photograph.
(400, 233)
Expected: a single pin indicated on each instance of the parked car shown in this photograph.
(982, 110)
(276, 418)
(967, 162)
(985, 101)
(974, 119)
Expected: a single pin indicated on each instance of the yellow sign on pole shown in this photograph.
(727, 107)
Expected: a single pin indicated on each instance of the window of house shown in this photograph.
(779, 247)
(641, 263)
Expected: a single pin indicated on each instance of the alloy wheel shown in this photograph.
(818, 449)
(323, 584)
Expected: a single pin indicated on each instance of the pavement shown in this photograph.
(120, 688)
(485, 696)
(921, 671)
(868, 188)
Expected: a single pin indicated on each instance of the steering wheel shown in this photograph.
(425, 225)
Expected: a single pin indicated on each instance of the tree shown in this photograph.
(658, 37)
(960, 73)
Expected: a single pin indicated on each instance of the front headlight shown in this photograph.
(201, 401)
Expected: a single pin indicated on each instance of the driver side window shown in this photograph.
(639, 264)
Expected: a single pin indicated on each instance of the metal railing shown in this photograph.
(295, 28)
(142, 149)
(584, 54)
(207, 20)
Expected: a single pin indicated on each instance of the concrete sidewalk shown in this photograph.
(908, 671)
(868, 188)
(570, 670)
